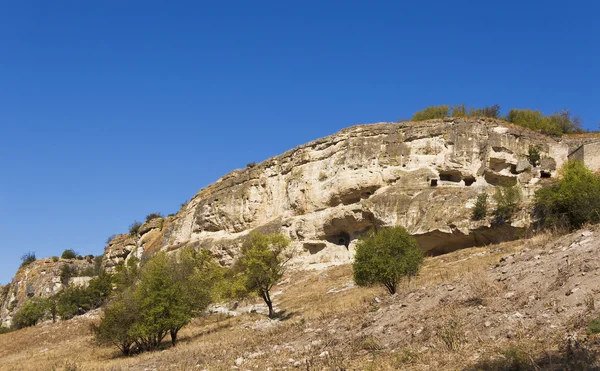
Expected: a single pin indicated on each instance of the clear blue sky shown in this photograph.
(110, 110)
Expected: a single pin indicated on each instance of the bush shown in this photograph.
(250, 165)
(480, 209)
(4, 330)
(534, 156)
(263, 263)
(556, 124)
(594, 326)
(134, 228)
(151, 216)
(27, 258)
(571, 202)
(55, 258)
(431, 112)
(69, 254)
(115, 327)
(67, 271)
(78, 300)
(385, 257)
(507, 203)
(30, 313)
(491, 111)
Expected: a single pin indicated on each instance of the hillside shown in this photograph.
(524, 303)
(325, 194)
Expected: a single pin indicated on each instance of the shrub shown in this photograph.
(556, 124)
(480, 209)
(67, 271)
(431, 112)
(250, 165)
(491, 111)
(594, 326)
(116, 324)
(69, 254)
(27, 258)
(134, 228)
(525, 117)
(30, 313)
(110, 238)
(262, 263)
(534, 156)
(151, 216)
(385, 257)
(55, 258)
(507, 203)
(4, 330)
(571, 202)
(78, 300)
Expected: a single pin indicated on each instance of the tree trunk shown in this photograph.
(174, 336)
(267, 299)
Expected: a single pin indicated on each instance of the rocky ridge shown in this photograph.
(424, 176)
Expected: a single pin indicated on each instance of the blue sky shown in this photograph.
(110, 110)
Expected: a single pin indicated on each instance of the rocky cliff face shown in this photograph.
(41, 278)
(424, 176)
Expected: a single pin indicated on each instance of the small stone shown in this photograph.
(509, 295)
(239, 361)
(377, 300)
(487, 324)
(324, 354)
(450, 288)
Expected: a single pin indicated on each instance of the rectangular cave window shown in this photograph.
(545, 174)
(433, 182)
(450, 177)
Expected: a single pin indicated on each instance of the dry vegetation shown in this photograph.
(501, 307)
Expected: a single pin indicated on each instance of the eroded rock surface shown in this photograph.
(424, 176)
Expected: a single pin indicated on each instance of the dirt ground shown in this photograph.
(516, 306)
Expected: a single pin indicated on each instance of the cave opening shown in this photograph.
(450, 176)
(433, 182)
(545, 174)
(469, 181)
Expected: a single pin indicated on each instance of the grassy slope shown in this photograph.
(465, 310)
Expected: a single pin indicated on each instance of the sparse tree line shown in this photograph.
(556, 124)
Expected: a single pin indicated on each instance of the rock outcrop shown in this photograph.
(424, 176)
(41, 278)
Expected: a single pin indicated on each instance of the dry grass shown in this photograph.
(329, 325)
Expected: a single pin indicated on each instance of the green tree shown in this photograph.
(507, 200)
(170, 293)
(385, 257)
(118, 320)
(432, 112)
(571, 202)
(126, 273)
(151, 216)
(30, 313)
(263, 263)
(134, 228)
(480, 209)
(69, 254)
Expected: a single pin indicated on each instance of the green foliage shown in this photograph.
(134, 228)
(69, 254)
(126, 273)
(78, 300)
(262, 264)
(115, 327)
(27, 258)
(556, 124)
(4, 330)
(507, 203)
(594, 326)
(534, 156)
(432, 112)
(30, 313)
(55, 258)
(571, 202)
(67, 271)
(151, 216)
(162, 298)
(480, 209)
(385, 257)
(250, 165)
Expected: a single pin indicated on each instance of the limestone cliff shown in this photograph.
(424, 176)
(41, 278)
